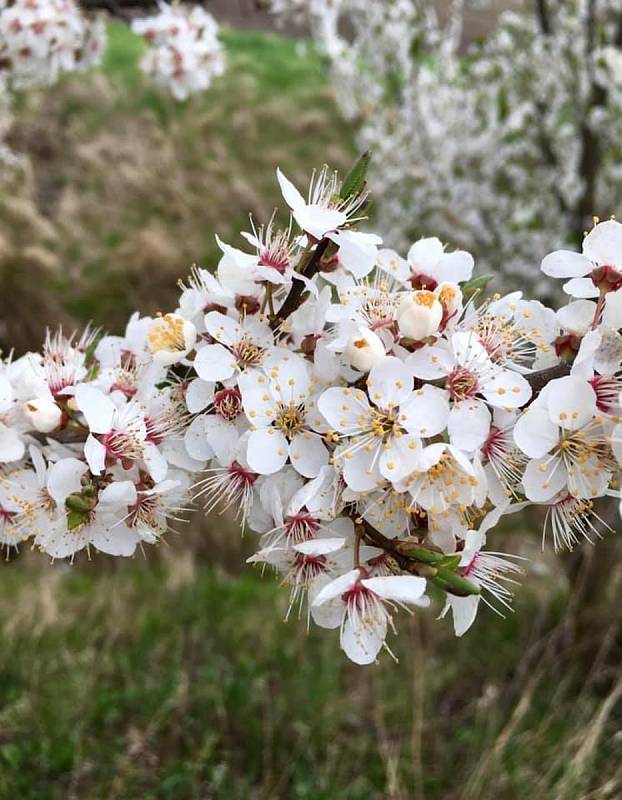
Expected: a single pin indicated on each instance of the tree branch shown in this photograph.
(294, 298)
(538, 380)
(543, 17)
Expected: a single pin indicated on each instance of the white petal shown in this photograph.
(196, 441)
(544, 478)
(425, 412)
(577, 317)
(6, 394)
(580, 287)
(320, 547)
(588, 479)
(291, 195)
(429, 363)
(469, 424)
(455, 267)
(571, 402)
(318, 221)
(11, 446)
(222, 328)
(119, 493)
(337, 587)
(612, 313)
(566, 264)
(199, 395)
(400, 456)
(114, 539)
(95, 454)
(603, 244)
(267, 451)
(534, 433)
(64, 479)
(389, 383)
(506, 389)
(361, 471)
(362, 642)
(424, 255)
(464, 611)
(214, 363)
(401, 588)
(156, 464)
(98, 409)
(222, 437)
(343, 408)
(583, 364)
(308, 454)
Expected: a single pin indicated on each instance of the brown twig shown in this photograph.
(294, 298)
(538, 380)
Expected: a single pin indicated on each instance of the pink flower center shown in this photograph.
(307, 568)
(419, 280)
(495, 444)
(607, 392)
(228, 404)
(241, 478)
(461, 383)
(276, 259)
(300, 527)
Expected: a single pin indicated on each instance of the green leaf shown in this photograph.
(75, 519)
(454, 584)
(354, 182)
(77, 503)
(476, 285)
(420, 553)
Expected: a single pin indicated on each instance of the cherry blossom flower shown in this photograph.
(361, 609)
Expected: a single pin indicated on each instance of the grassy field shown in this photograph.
(125, 187)
(177, 680)
(174, 678)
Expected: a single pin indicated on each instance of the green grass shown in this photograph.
(142, 681)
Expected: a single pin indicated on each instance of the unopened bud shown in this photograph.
(419, 314)
(43, 413)
(364, 350)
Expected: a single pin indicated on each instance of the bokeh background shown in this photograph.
(173, 676)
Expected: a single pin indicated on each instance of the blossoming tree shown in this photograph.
(370, 416)
(42, 39)
(506, 147)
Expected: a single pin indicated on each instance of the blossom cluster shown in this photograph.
(184, 53)
(491, 146)
(371, 416)
(41, 39)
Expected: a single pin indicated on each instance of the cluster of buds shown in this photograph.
(184, 53)
(41, 39)
(370, 416)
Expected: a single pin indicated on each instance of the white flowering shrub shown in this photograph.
(41, 39)
(184, 53)
(370, 416)
(507, 147)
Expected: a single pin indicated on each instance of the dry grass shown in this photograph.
(126, 188)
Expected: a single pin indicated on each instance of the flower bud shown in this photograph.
(170, 338)
(419, 314)
(43, 413)
(364, 350)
